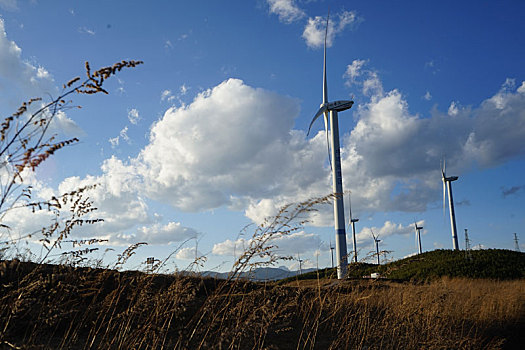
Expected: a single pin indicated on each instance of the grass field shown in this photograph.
(52, 307)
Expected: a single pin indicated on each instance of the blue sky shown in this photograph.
(210, 133)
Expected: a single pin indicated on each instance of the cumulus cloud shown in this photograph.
(159, 234)
(187, 253)
(314, 31)
(287, 10)
(230, 248)
(389, 228)
(229, 142)
(231, 147)
(291, 244)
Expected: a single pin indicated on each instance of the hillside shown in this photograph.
(497, 264)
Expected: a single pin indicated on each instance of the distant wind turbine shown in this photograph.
(337, 182)
(376, 241)
(418, 237)
(447, 182)
(332, 253)
(352, 222)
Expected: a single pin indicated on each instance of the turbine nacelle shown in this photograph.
(450, 178)
(337, 106)
(354, 220)
(340, 106)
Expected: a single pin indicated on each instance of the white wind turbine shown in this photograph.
(418, 237)
(337, 183)
(376, 241)
(352, 222)
(447, 182)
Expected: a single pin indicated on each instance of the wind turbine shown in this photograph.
(376, 241)
(352, 222)
(333, 108)
(418, 237)
(447, 182)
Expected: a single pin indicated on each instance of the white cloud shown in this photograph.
(521, 89)
(227, 143)
(453, 109)
(367, 79)
(19, 79)
(389, 228)
(353, 71)
(124, 134)
(187, 253)
(231, 147)
(224, 148)
(314, 31)
(114, 141)
(287, 10)
(286, 245)
(230, 248)
(183, 89)
(427, 96)
(159, 234)
(133, 116)
(166, 94)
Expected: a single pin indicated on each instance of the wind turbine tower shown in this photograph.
(352, 222)
(418, 237)
(516, 244)
(326, 109)
(447, 182)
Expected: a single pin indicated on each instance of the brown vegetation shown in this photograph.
(50, 307)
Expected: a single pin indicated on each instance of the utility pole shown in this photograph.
(516, 244)
(467, 246)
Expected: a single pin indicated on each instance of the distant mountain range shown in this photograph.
(261, 274)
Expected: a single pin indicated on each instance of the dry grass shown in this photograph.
(50, 307)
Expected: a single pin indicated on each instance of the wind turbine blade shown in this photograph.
(350, 204)
(325, 85)
(319, 112)
(327, 138)
(444, 194)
